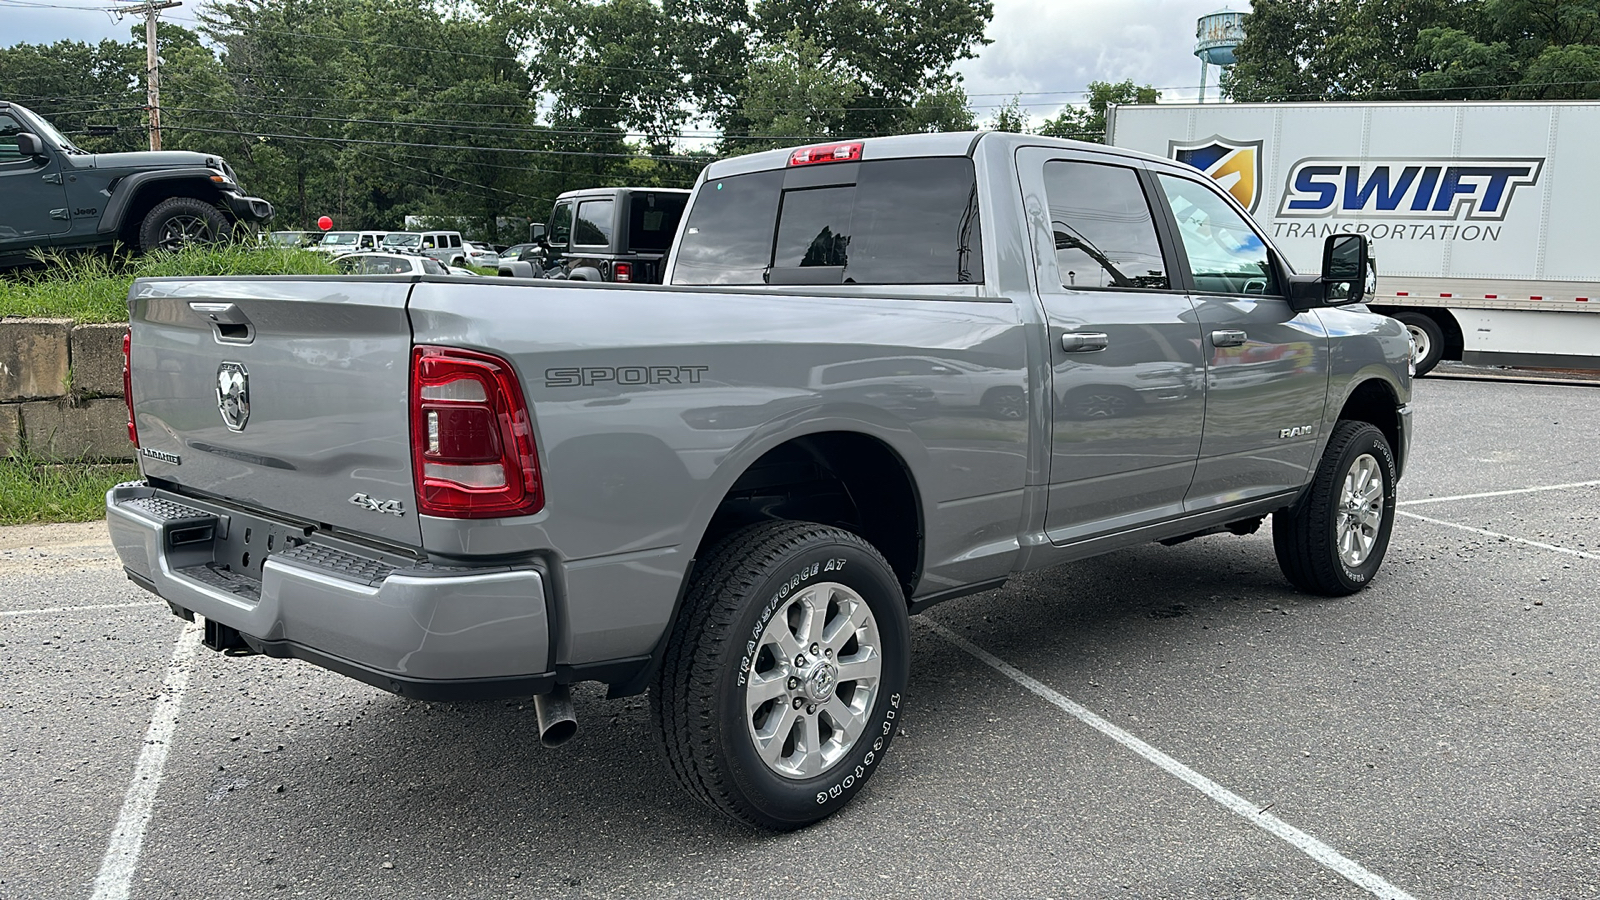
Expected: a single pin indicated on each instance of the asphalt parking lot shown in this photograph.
(1161, 722)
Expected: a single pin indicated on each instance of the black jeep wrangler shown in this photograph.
(619, 235)
(52, 194)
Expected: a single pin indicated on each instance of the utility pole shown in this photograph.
(152, 71)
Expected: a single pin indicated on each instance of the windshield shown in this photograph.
(48, 133)
(339, 237)
(408, 239)
(287, 238)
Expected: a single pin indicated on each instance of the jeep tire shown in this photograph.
(178, 222)
(783, 679)
(1333, 541)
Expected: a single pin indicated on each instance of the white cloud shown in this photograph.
(1062, 45)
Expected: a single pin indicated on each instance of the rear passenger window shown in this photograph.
(1226, 256)
(653, 220)
(899, 221)
(1105, 235)
(593, 225)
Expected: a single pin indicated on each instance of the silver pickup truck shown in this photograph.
(881, 374)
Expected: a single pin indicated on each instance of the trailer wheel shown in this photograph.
(1428, 336)
(1333, 541)
(783, 680)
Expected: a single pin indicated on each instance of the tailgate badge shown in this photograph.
(392, 507)
(233, 395)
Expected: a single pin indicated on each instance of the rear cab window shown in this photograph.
(893, 221)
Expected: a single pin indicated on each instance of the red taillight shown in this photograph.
(826, 153)
(622, 272)
(127, 385)
(472, 451)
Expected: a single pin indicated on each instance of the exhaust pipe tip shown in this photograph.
(557, 720)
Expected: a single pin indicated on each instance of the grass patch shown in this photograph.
(34, 492)
(93, 287)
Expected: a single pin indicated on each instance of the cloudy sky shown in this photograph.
(1056, 46)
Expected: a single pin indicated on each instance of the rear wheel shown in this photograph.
(1429, 338)
(179, 222)
(782, 684)
(1334, 540)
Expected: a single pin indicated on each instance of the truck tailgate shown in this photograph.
(288, 395)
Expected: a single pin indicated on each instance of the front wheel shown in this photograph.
(783, 681)
(179, 222)
(1333, 541)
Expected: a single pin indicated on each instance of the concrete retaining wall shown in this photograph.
(61, 390)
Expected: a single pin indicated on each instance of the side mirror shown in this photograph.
(536, 232)
(30, 144)
(1348, 272)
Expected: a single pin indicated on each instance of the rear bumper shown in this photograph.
(413, 629)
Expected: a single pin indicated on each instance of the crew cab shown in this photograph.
(864, 389)
(60, 196)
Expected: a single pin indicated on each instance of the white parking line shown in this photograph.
(1344, 866)
(122, 854)
(1495, 534)
(1531, 490)
(65, 609)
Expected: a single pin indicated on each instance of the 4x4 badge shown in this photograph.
(233, 395)
(392, 507)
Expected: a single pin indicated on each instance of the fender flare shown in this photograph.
(129, 187)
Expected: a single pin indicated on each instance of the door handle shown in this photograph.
(1083, 341)
(59, 214)
(53, 178)
(1228, 338)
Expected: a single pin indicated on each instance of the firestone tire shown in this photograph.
(1333, 541)
(179, 222)
(782, 743)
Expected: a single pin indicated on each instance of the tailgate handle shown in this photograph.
(227, 321)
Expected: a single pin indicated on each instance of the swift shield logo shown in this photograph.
(1233, 165)
(1406, 188)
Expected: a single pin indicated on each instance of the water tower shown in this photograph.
(1216, 36)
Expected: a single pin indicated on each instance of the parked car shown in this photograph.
(58, 195)
(290, 238)
(515, 251)
(394, 264)
(337, 242)
(605, 234)
(489, 489)
(481, 254)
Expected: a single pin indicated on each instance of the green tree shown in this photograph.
(1336, 49)
(1010, 117)
(1089, 123)
(790, 96)
(1516, 49)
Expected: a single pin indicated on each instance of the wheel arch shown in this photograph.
(1375, 401)
(848, 479)
(138, 193)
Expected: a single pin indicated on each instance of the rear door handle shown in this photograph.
(1228, 338)
(1083, 341)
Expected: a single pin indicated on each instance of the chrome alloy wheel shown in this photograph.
(1360, 513)
(182, 230)
(813, 680)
